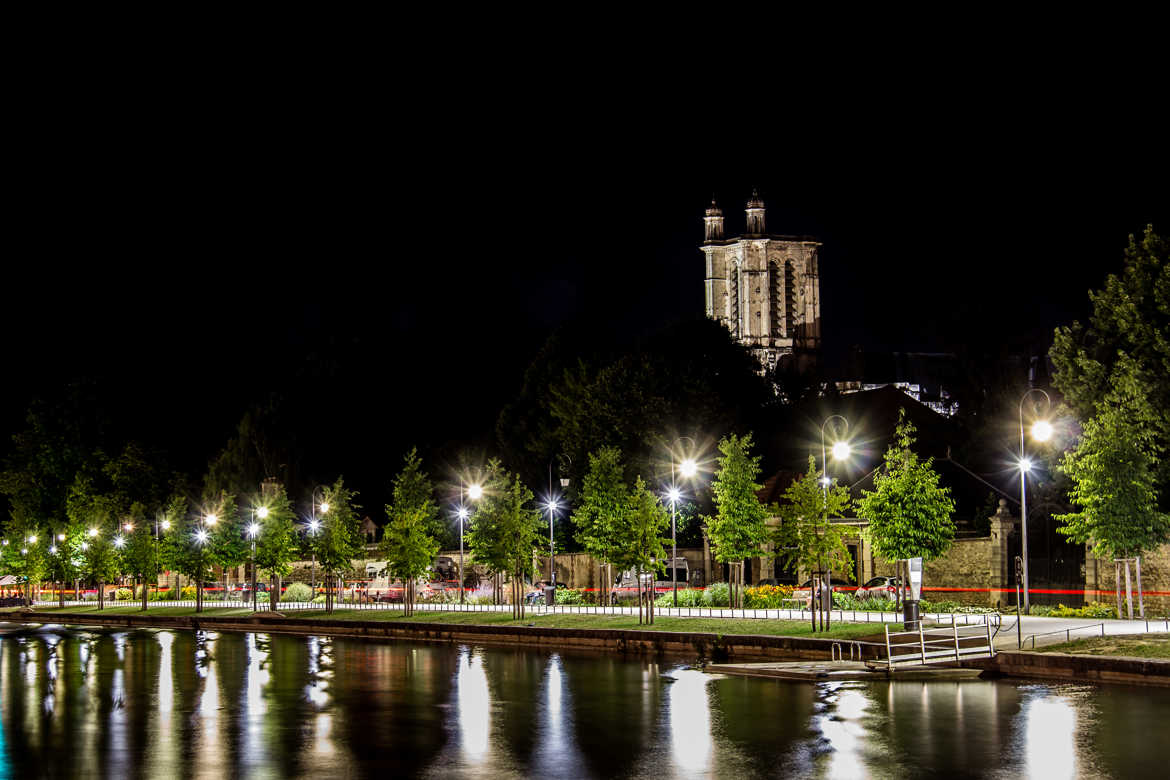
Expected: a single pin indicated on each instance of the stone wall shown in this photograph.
(1101, 581)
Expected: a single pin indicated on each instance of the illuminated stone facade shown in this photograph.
(764, 288)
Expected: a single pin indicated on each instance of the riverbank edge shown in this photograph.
(697, 646)
(1070, 667)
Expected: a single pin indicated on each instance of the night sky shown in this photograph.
(415, 269)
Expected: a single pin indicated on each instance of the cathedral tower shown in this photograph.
(764, 288)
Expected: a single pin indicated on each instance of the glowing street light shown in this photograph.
(201, 536)
(262, 512)
(841, 451)
(324, 507)
(314, 525)
(128, 527)
(53, 550)
(688, 468)
(1041, 431)
(475, 492)
(93, 532)
(211, 519)
(32, 539)
(119, 542)
(60, 537)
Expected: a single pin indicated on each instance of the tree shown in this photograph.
(412, 489)
(174, 532)
(23, 553)
(1114, 473)
(909, 513)
(92, 510)
(227, 546)
(738, 528)
(338, 539)
(515, 525)
(276, 544)
(67, 563)
(601, 516)
(1130, 323)
(139, 552)
(805, 538)
(648, 521)
(409, 548)
(485, 534)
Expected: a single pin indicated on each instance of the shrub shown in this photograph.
(567, 596)
(850, 601)
(440, 597)
(717, 594)
(687, 597)
(297, 591)
(480, 599)
(188, 592)
(319, 599)
(123, 594)
(1093, 610)
(765, 596)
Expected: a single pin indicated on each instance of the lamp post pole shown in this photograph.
(840, 450)
(688, 466)
(1025, 465)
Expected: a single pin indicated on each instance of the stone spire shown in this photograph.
(755, 215)
(713, 223)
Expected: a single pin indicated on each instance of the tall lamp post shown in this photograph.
(164, 525)
(1041, 431)
(688, 468)
(841, 451)
(475, 493)
(253, 532)
(314, 527)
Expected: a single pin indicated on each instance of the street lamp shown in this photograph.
(688, 468)
(475, 493)
(841, 450)
(1041, 431)
(254, 529)
(314, 526)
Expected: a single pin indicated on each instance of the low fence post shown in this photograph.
(922, 641)
(955, 628)
(889, 655)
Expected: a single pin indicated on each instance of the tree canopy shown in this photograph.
(1113, 471)
(909, 512)
(805, 537)
(737, 529)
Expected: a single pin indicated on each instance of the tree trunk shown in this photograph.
(828, 596)
(1117, 584)
(102, 595)
(61, 596)
(144, 594)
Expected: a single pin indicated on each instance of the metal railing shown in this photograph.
(943, 644)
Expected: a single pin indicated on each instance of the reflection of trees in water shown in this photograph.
(761, 726)
(387, 702)
(617, 709)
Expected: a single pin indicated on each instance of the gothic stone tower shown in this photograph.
(764, 288)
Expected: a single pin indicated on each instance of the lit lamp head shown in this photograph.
(166, 525)
(129, 526)
(32, 539)
(93, 533)
(314, 525)
(119, 542)
(826, 481)
(253, 529)
(1025, 464)
(1041, 430)
(688, 468)
(84, 546)
(324, 507)
(475, 492)
(842, 450)
(553, 505)
(201, 536)
(212, 519)
(262, 512)
(674, 495)
(461, 512)
(60, 537)
(53, 550)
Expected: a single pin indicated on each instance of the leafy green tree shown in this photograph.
(188, 545)
(174, 531)
(1130, 323)
(410, 550)
(93, 510)
(228, 546)
(738, 529)
(412, 489)
(138, 549)
(648, 521)
(1114, 472)
(67, 557)
(276, 544)
(24, 553)
(485, 534)
(515, 527)
(909, 512)
(602, 513)
(805, 538)
(338, 539)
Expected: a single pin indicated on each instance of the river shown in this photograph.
(160, 703)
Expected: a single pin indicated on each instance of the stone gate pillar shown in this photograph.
(1002, 580)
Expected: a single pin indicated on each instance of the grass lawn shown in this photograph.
(766, 627)
(1147, 646)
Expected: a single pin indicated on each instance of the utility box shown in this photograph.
(550, 595)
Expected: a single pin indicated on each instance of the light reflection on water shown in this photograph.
(84, 703)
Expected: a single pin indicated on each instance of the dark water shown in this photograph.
(141, 703)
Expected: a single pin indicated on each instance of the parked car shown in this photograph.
(879, 588)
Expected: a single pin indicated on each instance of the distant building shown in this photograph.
(764, 288)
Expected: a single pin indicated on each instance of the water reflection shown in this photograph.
(122, 703)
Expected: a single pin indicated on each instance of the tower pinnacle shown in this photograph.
(713, 223)
(755, 215)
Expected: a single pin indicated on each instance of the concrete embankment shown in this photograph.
(1079, 668)
(699, 646)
